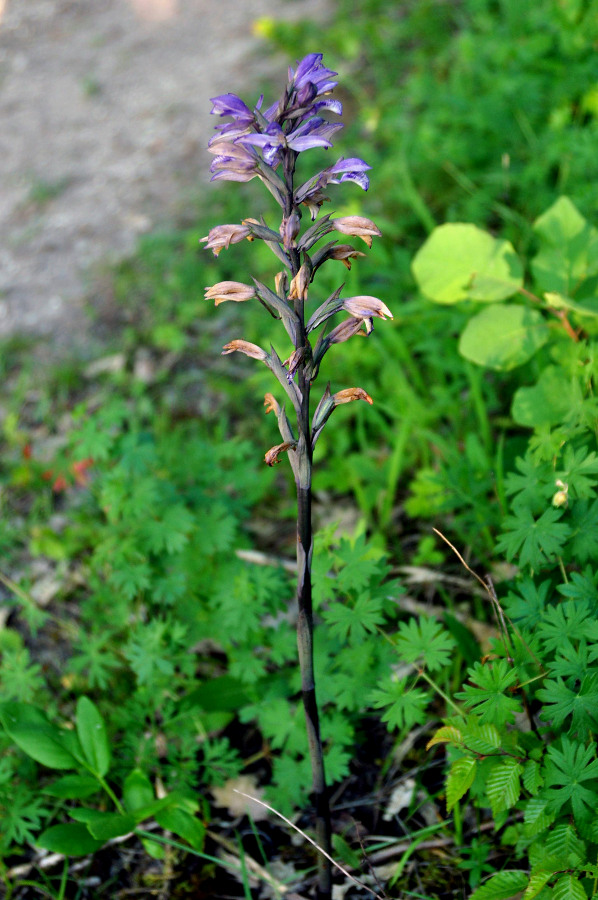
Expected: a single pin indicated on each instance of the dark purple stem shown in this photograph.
(305, 625)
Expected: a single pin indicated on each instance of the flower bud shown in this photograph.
(229, 290)
(300, 283)
(289, 229)
(561, 498)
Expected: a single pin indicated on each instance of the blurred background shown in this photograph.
(105, 116)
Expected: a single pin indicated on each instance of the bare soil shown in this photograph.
(104, 112)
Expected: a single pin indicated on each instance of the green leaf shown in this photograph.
(104, 826)
(569, 888)
(548, 402)
(92, 735)
(503, 786)
(183, 824)
(70, 839)
(462, 262)
(503, 337)
(73, 787)
(534, 541)
(446, 734)
(566, 772)
(564, 843)
(424, 642)
(488, 692)
(459, 779)
(558, 301)
(501, 886)
(568, 253)
(532, 778)
(137, 790)
(482, 739)
(404, 706)
(536, 882)
(38, 738)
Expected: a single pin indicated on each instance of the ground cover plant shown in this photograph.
(133, 631)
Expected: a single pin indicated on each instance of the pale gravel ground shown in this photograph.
(104, 117)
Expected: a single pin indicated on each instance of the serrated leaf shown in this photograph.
(503, 337)
(446, 734)
(502, 886)
(92, 735)
(536, 882)
(503, 785)
(563, 843)
(459, 779)
(569, 888)
(532, 777)
(482, 739)
(461, 262)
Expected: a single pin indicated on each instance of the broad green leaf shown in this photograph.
(70, 839)
(503, 337)
(29, 728)
(569, 888)
(501, 886)
(548, 402)
(73, 787)
(462, 262)
(483, 739)
(183, 824)
(563, 842)
(104, 826)
(446, 734)
(536, 883)
(559, 301)
(92, 734)
(459, 779)
(137, 790)
(568, 252)
(503, 785)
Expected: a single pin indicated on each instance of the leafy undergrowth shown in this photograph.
(147, 630)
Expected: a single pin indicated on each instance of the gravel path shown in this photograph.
(104, 106)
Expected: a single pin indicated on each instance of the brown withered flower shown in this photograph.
(350, 394)
(357, 226)
(222, 236)
(229, 290)
(271, 457)
(245, 347)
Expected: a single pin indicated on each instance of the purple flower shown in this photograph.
(344, 170)
(232, 162)
(316, 132)
(311, 70)
(231, 105)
